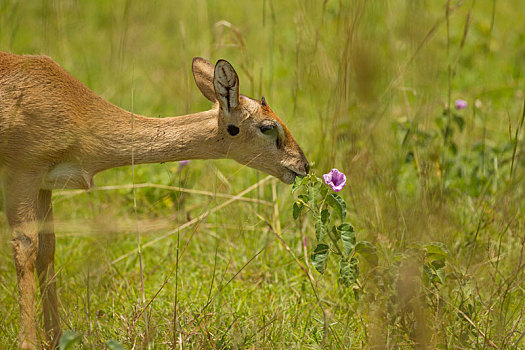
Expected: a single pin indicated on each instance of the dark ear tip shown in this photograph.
(223, 61)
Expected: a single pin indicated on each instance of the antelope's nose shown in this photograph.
(307, 167)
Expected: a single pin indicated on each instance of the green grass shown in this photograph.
(363, 86)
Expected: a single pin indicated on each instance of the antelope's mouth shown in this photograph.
(290, 175)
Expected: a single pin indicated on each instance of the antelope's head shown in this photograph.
(250, 131)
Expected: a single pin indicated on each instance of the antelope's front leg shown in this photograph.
(21, 195)
(45, 263)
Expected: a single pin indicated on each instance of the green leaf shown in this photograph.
(303, 198)
(336, 233)
(367, 251)
(434, 271)
(114, 345)
(347, 234)
(69, 339)
(324, 191)
(436, 251)
(319, 257)
(297, 207)
(338, 203)
(438, 266)
(325, 216)
(440, 273)
(348, 271)
(436, 248)
(428, 274)
(313, 193)
(320, 228)
(299, 181)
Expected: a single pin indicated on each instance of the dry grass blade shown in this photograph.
(71, 193)
(468, 319)
(197, 219)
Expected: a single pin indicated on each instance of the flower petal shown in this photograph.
(460, 104)
(335, 179)
(327, 178)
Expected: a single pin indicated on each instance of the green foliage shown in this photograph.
(368, 251)
(319, 256)
(347, 234)
(435, 262)
(69, 339)
(338, 204)
(331, 237)
(482, 167)
(114, 345)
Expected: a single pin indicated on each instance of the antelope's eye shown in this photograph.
(233, 130)
(266, 129)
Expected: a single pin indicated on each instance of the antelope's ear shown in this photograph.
(203, 74)
(226, 84)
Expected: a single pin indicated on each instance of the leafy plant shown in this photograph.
(334, 234)
(433, 153)
(435, 261)
(71, 339)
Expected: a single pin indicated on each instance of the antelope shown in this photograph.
(56, 133)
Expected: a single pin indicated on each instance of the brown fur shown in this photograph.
(56, 133)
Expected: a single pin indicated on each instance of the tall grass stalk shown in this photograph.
(135, 211)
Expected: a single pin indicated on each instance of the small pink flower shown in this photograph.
(460, 104)
(183, 163)
(335, 179)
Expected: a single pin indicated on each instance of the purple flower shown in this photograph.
(460, 104)
(183, 163)
(335, 179)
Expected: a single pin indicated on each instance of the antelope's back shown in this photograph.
(42, 109)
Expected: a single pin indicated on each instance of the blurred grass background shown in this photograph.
(365, 86)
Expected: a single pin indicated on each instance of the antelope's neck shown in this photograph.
(142, 139)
